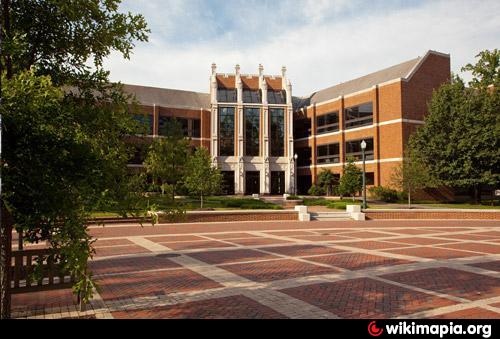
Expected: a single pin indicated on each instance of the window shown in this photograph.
(353, 149)
(226, 95)
(190, 127)
(328, 154)
(251, 96)
(226, 131)
(357, 116)
(276, 97)
(277, 132)
(370, 178)
(252, 129)
(196, 128)
(327, 123)
(301, 128)
(227, 182)
(146, 123)
(304, 156)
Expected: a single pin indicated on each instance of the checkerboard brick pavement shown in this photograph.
(366, 298)
(344, 269)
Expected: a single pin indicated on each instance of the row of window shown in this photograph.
(191, 127)
(330, 153)
(252, 131)
(357, 116)
(251, 96)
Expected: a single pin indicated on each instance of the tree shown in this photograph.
(64, 151)
(460, 141)
(202, 178)
(167, 157)
(412, 175)
(351, 179)
(327, 180)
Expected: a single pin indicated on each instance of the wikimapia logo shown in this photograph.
(404, 328)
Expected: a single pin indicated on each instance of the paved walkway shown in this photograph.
(345, 269)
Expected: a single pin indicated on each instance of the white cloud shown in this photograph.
(327, 47)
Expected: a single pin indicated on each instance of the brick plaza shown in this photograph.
(287, 269)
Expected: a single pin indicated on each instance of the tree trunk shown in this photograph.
(409, 199)
(5, 261)
(477, 194)
(201, 200)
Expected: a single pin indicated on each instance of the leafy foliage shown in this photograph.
(384, 193)
(202, 178)
(327, 180)
(351, 180)
(316, 190)
(460, 141)
(167, 157)
(64, 123)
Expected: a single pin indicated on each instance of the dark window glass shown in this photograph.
(276, 97)
(304, 156)
(277, 132)
(353, 149)
(327, 123)
(370, 178)
(146, 122)
(251, 97)
(301, 128)
(357, 116)
(196, 128)
(226, 95)
(164, 122)
(328, 154)
(252, 128)
(226, 131)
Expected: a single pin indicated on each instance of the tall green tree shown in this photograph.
(460, 141)
(351, 181)
(167, 156)
(328, 181)
(202, 178)
(64, 124)
(412, 175)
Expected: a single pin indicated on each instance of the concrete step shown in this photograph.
(330, 216)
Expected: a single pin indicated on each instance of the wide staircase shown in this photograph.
(330, 216)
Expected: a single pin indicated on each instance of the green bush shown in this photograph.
(342, 204)
(316, 190)
(316, 202)
(384, 194)
(293, 197)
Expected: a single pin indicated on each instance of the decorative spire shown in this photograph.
(237, 68)
(261, 70)
(214, 68)
(283, 71)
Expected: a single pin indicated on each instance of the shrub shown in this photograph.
(342, 204)
(316, 202)
(316, 190)
(384, 194)
(293, 197)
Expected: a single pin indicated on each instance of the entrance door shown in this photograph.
(278, 183)
(252, 182)
(228, 182)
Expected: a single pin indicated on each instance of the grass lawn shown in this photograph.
(215, 203)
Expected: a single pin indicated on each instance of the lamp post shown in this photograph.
(363, 148)
(295, 157)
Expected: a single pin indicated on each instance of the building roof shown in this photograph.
(169, 97)
(395, 72)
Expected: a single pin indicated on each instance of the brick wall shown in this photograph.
(225, 217)
(459, 215)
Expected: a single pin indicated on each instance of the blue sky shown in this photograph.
(322, 42)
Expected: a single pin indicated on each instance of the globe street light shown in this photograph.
(363, 148)
(295, 157)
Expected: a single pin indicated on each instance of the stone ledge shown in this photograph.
(433, 214)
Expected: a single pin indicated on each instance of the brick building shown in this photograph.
(254, 127)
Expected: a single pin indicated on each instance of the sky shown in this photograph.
(321, 42)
